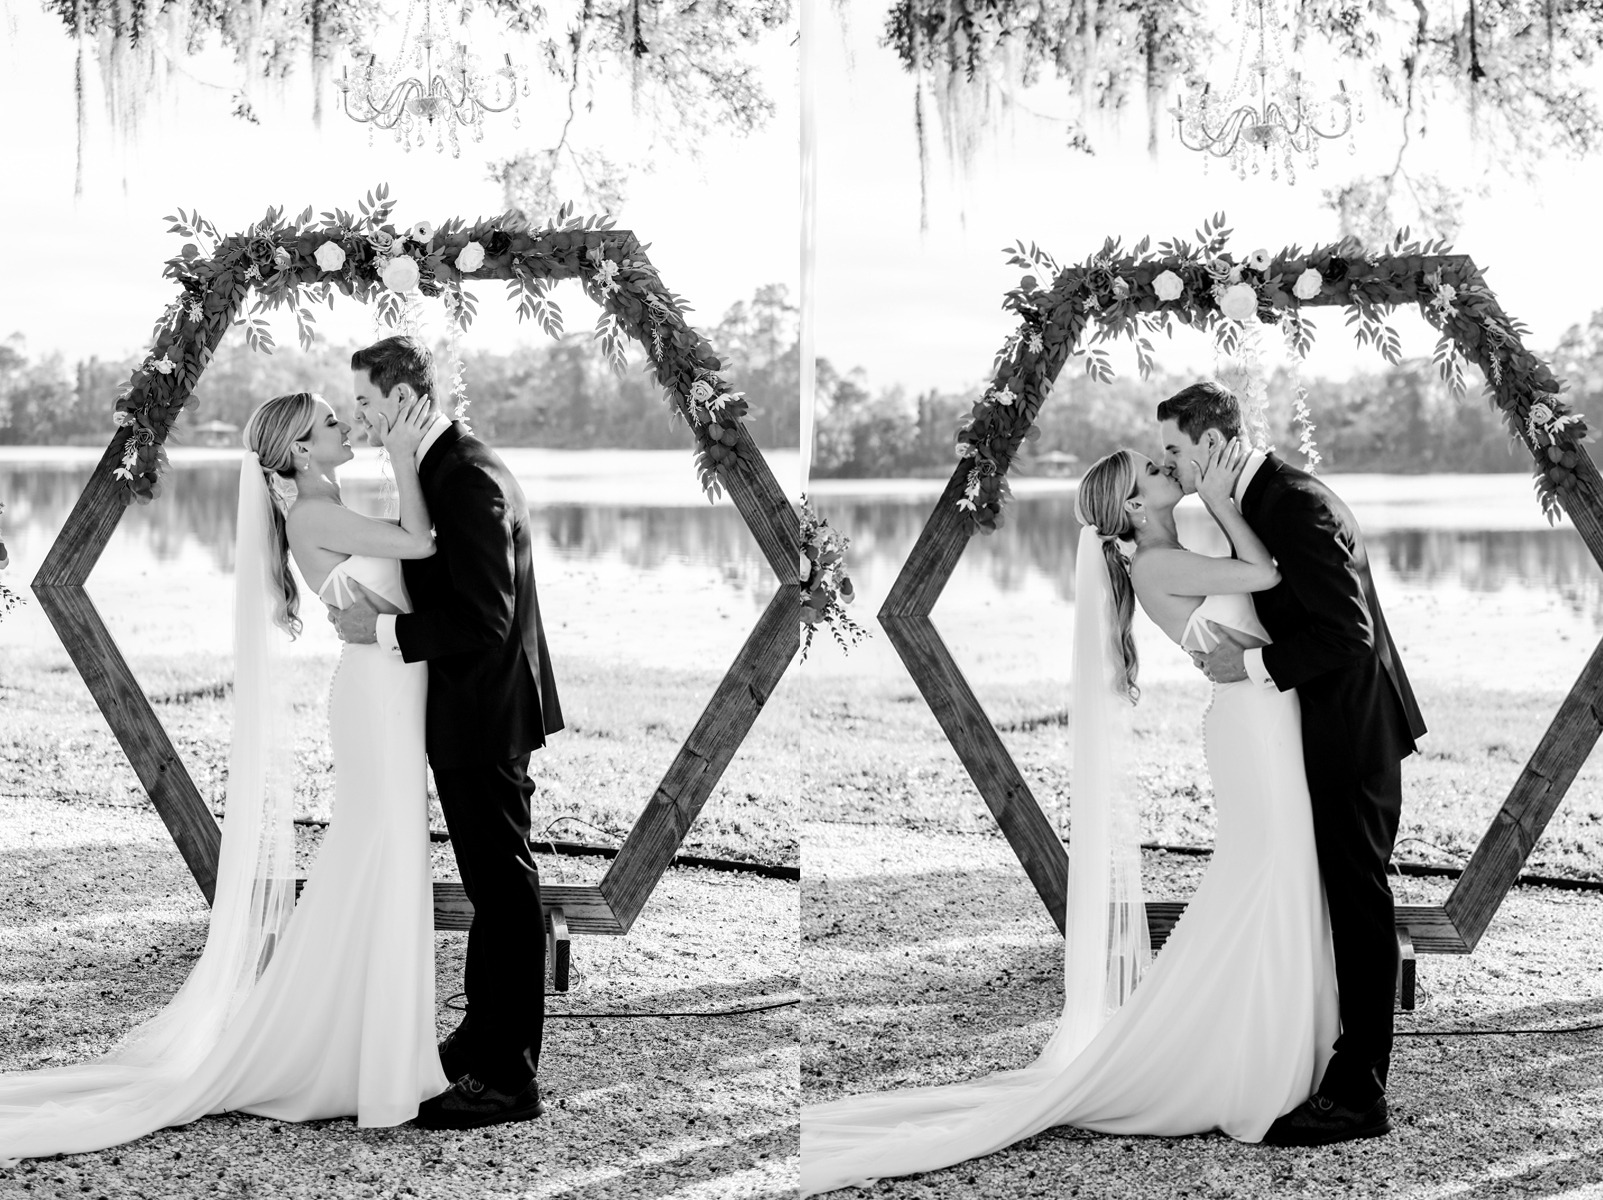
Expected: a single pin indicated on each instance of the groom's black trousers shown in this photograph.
(487, 812)
(1355, 825)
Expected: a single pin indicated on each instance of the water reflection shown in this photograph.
(193, 524)
(1431, 543)
(1036, 547)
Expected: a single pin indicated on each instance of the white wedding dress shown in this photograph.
(340, 1022)
(1230, 1027)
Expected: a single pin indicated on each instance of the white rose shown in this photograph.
(1235, 274)
(1308, 284)
(1258, 260)
(1168, 286)
(1541, 414)
(1005, 397)
(422, 233)
(282, 259)
(1239, 302)
(701, 391)
(330, 256)
(470, 257)
(400, 273)
(167, 366)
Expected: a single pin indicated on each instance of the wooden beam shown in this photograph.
(559, 949)
(1406, 975)
(584, 909)
(139, 731)
(655, 839)
(89, 525)
(1428, 927)
(989, 764)
(930, 563)
(1495, 866)
(767, 512)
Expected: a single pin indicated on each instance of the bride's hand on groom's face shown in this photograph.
(1216, 478)
(405, 434)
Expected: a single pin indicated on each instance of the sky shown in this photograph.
(94, 280)
(919, 308)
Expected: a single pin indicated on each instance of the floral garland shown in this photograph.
(295, 264)
(826, 588)
(1117, 293)
(9, 599)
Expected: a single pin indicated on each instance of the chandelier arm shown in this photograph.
(1222, 141)
(386, 115)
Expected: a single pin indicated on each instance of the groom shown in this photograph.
(492, 700)
(1359, 720)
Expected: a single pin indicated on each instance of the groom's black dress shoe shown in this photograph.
(468, 1103)
(1319, 1121)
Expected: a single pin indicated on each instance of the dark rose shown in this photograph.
(1335, 270)
(497, 243)
(260, 251)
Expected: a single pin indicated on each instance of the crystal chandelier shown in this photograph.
(1269, 110)
(456, 92)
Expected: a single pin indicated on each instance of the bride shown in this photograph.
(1233, 1022)
(322, 1008)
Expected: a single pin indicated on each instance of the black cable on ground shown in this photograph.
(586, 850)
(1493, 1032)
(575, 1016)
(1560, 882)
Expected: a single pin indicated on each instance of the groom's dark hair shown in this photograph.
(397, 360)
(1201, 407)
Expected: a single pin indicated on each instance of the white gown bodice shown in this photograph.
(381, 576)
(1233, 609)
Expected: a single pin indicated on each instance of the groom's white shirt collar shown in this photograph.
(431, 435)
(1254, 460)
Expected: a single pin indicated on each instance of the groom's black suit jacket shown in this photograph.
(1330, 639)
(476, 618)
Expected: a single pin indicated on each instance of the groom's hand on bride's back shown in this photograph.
(1224, 663)
(358, 621)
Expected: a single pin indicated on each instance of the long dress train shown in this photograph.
(1230, 1027)
(340, 1022)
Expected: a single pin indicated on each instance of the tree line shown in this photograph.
(1401, 419)
(557, 393)
(562, 394)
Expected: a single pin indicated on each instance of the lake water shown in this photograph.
(626, 547)
(1473, 580)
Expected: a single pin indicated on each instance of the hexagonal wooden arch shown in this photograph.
(1453, 927)
(609, 907)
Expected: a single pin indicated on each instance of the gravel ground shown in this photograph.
(928, 959)
(101, 922)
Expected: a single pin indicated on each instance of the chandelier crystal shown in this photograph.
(441, 97)
(1269, 110)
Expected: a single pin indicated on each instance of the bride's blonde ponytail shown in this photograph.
(271, 433)
(1100, 504)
